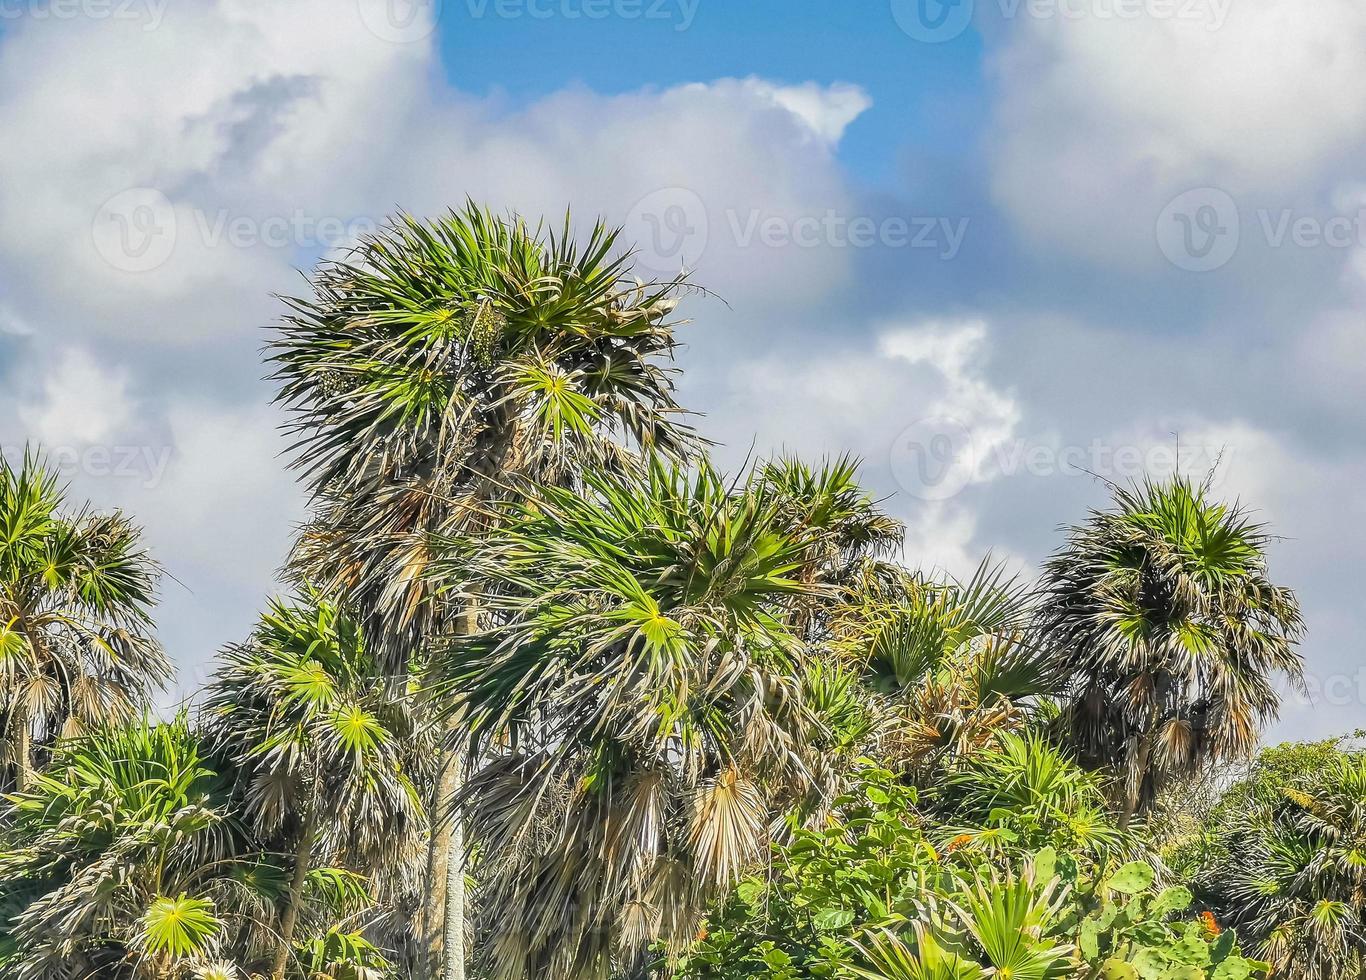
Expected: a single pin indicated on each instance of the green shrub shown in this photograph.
(884, 889)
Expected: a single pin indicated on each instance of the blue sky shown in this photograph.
(1077, 241)
(927, 98)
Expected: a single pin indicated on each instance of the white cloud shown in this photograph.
(238, 150)
(826, 110)
(967, 400)
(1102, 121)
(79, 403)
(915, 404)
(153, 212)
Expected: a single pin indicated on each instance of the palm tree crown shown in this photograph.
(635, 705)
(1165, 625)
(446, 364)
(946, 663)
(128, 826)
(76, 596)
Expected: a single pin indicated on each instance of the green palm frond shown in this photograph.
(178, 928)
(306, 714)
(892, 959)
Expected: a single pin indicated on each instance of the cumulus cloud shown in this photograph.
(914, 403)
(153, 212)
(238, 150)
(80, 402)
(1102, 120)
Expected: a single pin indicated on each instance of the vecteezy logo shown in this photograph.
(1199, 231)
(932, 21)
(135, 230)
(400, 21)
(934, 458)
(670, 229)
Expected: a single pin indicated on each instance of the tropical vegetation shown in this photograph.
(549, 695)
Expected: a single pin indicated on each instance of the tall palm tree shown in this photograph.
(439, 370)
(1165, 627)
(635, 705)
(76, 596)
(316, 733)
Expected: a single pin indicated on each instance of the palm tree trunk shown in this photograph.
(289, 918)
(433, 916)
(23, 752)
(444, 914)
(454, 932)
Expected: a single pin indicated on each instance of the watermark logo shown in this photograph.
(149, 12)
(144, 465)
(673, 228)
(932, 21)
(937, 21)
(135, 230)
(400, 21)
(1200, 230)
(1328, 690)
(670, 227)
(679, 13)
(934, 459)
(942, 235)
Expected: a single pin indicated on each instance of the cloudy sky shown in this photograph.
(1004, 250)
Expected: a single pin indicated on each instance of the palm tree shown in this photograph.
(76, 595)
(1165, 627)
(111, 861)
(316, 733)
(1291, 871)
(850, 535)
(635, 705)
(128, 859)
(444, 367)
(1021, 793)
(946, 663)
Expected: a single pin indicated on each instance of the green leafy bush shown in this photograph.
(1283, 856)
(883, 889)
